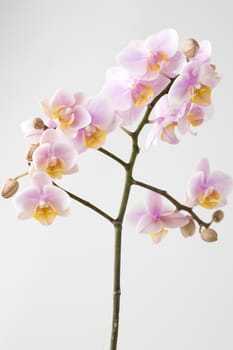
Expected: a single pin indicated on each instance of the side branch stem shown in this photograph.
(113, 156)
(87, 204)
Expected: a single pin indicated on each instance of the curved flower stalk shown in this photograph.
(156, 83)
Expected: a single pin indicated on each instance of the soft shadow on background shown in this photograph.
(56, 282)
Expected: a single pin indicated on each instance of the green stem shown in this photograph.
(113, 156)
(87, 204)
(177, 204)
(118, 223)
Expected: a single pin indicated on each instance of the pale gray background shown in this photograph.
(56, 282)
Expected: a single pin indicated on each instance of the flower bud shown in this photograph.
(30, 151)
(209, 235)
(218, 215)
(188, 229)
(190, 48)
(9, 188)
(38, 124)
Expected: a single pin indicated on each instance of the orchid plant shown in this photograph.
(156, 83)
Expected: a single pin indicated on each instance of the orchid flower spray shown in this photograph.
(157, 83)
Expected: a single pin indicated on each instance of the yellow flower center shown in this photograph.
(64, 115)
(210, 201)
(45, 213)
(156, 236)
(194, 120)
(202, 96)
(94, 137)
(141, 94)
(154, 62)
(56, 167)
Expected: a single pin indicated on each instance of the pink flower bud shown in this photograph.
(209, 235)
(190, 48)
(9, 188)
(188, 229)
(218, 215)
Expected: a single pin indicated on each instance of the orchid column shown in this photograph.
(155, 83)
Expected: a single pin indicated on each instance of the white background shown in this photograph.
(56, 282)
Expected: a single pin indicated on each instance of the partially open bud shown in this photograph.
(190, 48)
(218, 215)
(188, 229)
(209, 235)
(30, 151)
(38, 124)
(9, 188)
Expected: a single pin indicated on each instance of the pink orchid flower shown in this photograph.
(42, 201)
(164, 124)
(56, 155)
(204, 52)
(207, 189)
(125, 91)
(68, 110)
(156, 217)
(194, 84)
(158, 54)
(193, 116)
(103, 121)
(130, 96)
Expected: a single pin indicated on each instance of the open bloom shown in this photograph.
(194, 84)
(193, 116)
(156, 217)
(129, 94)
(42, 201)
(158, 54)
(165, 123)
(207, 189)
(103, 121)
(67, 110)
(56, 155)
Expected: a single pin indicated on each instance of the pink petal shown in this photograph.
(101, 111)
(159, 84)
(118, 88)
(39, 180)
(208, 76)
(196, 185)
(204, 166)
(174, 220)
(134, 58)
(175, 65)
(130, 116)
(61, 98)
(222, 182)
(65, 152)
(31, 134)
(154, 203)
(58, 198)
(180, 90)
(80, 98)
(153, 135)
(25, 203)
(147, 225)
(82, 117)
(41, 156)
(50, 136)
(166, 41)
(44, 104)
